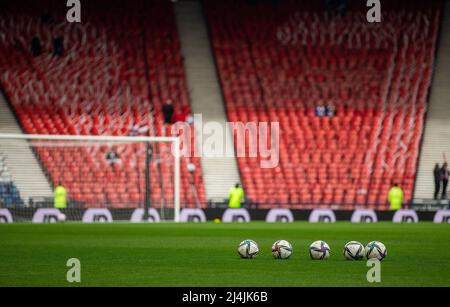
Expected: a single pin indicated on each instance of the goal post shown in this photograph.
(97, 171)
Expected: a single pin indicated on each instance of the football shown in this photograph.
(354, 250)
(61, 217)
(281, 249)
(319, 250)
(376, 250)
(248, 249)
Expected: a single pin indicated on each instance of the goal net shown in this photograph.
(134, 178)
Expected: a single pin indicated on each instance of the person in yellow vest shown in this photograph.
(395, 197)
(60, 197)
(236, 196)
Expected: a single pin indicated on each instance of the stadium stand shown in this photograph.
(9, 195)
(437, 126)
(277, 63)
(106, 81)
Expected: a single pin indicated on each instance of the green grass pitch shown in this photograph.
(168, 254)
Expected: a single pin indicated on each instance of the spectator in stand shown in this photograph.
(331, 111)
(437, 180)
(36, 48)
(191, 170)
(330, 7)
(112, 157)
(320, 111)
(58, 46)
(342, 7)
(138, 129)
(445, 174)
(46, 18)
(168, 110)
(335, 7)
(188, 118)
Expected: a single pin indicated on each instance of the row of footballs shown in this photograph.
(318, 250)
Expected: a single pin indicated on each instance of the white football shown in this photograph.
(319, 250)
(281, 249)
(353, 250)
(61, 217)
(248, 249)
(376, 250)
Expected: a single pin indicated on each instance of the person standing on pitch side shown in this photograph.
(395, 197)
(236, 195)
(445, 174)
(437, 180)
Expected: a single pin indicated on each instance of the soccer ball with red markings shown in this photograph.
(281, 249)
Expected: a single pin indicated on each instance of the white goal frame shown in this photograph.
(135, 139)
